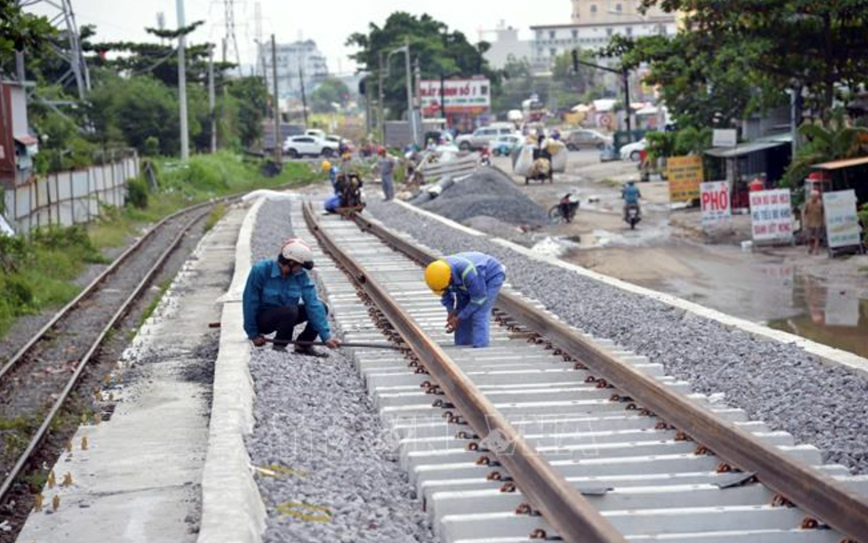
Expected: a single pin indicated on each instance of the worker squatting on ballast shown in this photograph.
(280, 295)
(468, 284)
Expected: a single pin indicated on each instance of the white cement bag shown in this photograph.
(559, 162)
(525, 161)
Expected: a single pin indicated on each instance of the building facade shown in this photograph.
(505, 44)
(552, 41)
(293, 61)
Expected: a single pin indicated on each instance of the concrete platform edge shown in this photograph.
(232, 508)
(827, 355)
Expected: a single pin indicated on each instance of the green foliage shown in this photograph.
(835, 141)
(37, 272)
(687, 141)
(151, 147)
(440, 53)
(21, 31)
(329, 92)
(863, 218)
(740, 55)
(251, 95)
(137, 193)
(214, 216)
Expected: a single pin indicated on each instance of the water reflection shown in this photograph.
(832, 316)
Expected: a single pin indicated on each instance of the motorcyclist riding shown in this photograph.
(631, 195)
(568, 206)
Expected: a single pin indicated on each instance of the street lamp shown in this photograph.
(411, 115)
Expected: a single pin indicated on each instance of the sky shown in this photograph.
(328, 23)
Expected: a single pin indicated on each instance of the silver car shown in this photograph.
(483, 137)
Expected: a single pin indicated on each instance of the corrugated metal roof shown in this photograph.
(743, 149)
(839, 164)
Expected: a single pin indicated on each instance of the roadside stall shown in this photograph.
(743, 163)
(844, 186)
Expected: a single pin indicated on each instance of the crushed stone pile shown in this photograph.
(488, 192)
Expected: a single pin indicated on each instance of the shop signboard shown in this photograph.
(685, 175)
(716, 204)
(771, 216)
(459, 95)
(842, 223)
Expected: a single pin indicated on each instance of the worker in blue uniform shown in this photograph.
(468, 284)
(280, 295)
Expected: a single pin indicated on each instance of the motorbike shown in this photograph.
(485, 157)
(565, 210)
(632, 215)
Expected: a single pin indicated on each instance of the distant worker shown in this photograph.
(814, 221)
(330, 169)
(386, 168)
(280, 295)
(468, 285)
(631, 195)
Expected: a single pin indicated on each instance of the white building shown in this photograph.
(594, 23)
(293, 60)
(506, 44)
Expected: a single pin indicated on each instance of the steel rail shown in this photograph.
(575, 519)
(45, 427)
(91, 288)
(829, 501)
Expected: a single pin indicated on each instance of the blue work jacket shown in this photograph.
(631, 194)
(267, 288)
(470, 275)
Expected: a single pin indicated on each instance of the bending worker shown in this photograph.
(280, 295)
(468, 284)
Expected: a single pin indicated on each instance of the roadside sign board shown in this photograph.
(725, 138)
(842, 223)
(685, 175)
(716, 203)
(459, 95)
(771, 215)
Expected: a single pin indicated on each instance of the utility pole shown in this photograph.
(303, 95)
(278, 145)
(211, 100)
(380, 114)
(182, 83)
(625, 75)
(411, 114)
(367, 83)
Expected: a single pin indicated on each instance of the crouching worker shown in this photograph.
(280, 295)
(468, 284)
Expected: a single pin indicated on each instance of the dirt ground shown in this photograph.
(811, 295)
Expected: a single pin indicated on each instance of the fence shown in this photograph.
(68, 198)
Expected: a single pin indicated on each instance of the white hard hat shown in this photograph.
(296, 250)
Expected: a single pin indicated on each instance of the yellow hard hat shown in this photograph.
(326, 165)
(438, 275)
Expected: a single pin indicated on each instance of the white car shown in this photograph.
(299, 146)
(633, 151)
(315, 132)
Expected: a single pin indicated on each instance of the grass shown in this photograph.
(38, 272)
(164, 286)
(609, 182)
(214, 217)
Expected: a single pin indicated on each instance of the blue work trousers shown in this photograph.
(476, 330)
(388, 187)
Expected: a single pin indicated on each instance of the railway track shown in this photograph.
(44, 373)
(556, 435)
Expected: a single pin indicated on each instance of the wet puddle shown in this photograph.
(834, 316)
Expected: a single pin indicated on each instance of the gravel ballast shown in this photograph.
(314, 418)
(777, 383)
(488, 192)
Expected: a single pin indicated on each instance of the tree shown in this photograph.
(329, 92)
(763, 48)
(21, 31)
(251, 95)
(440, 53)
(835, 141)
